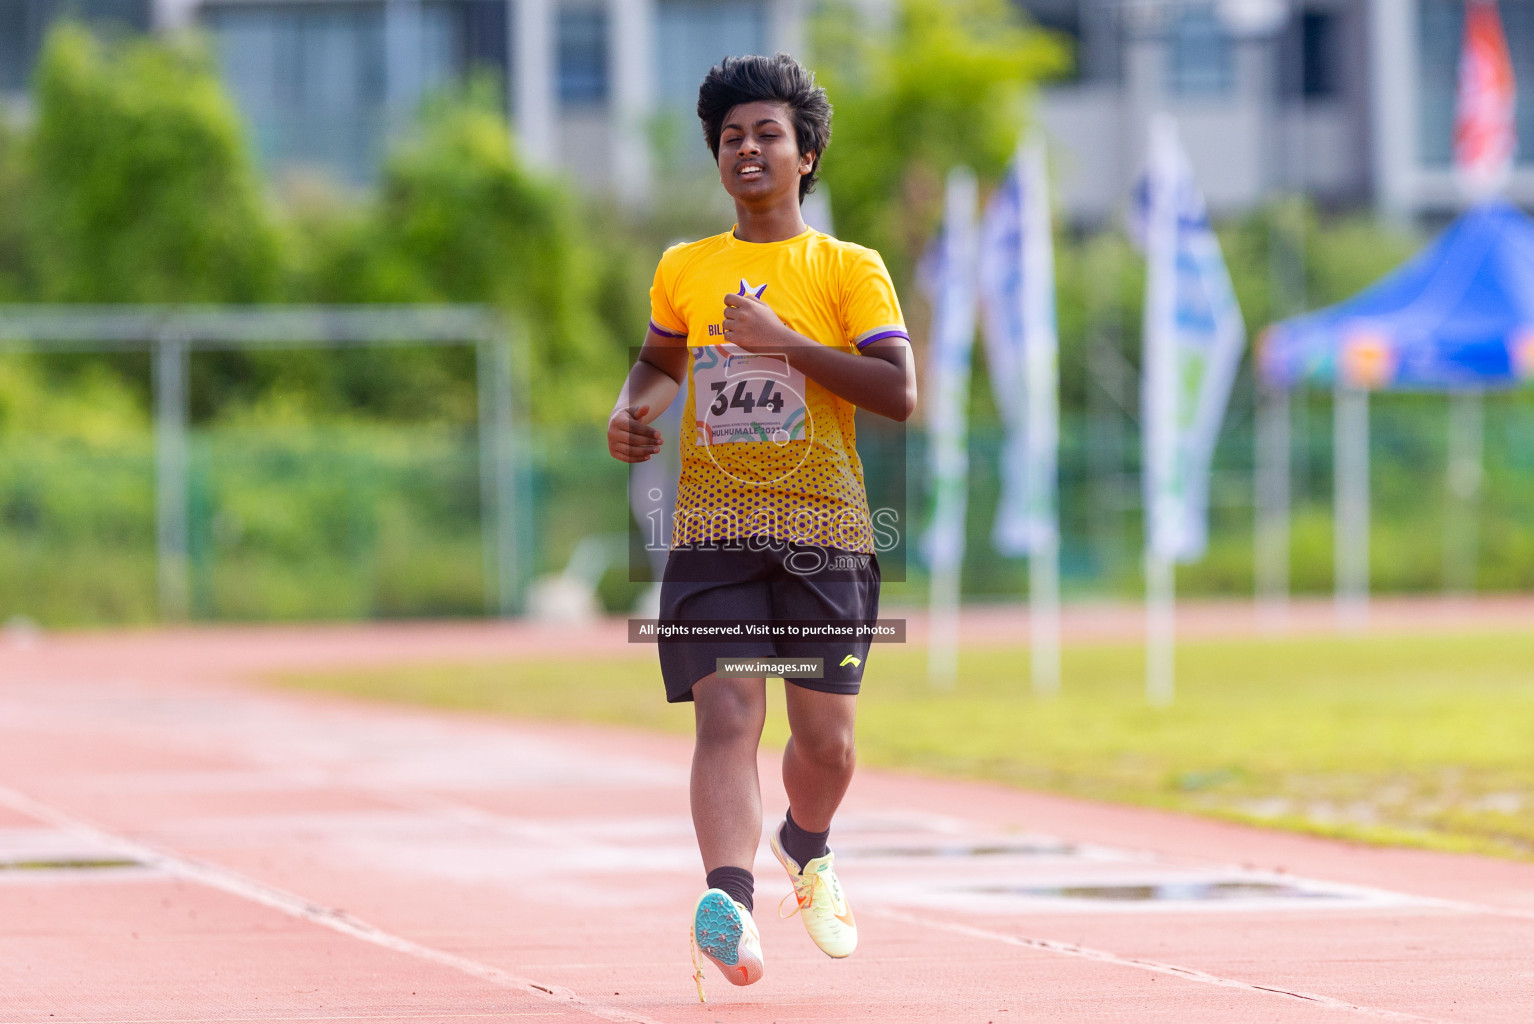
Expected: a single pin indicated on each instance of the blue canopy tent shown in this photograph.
(1458, 317)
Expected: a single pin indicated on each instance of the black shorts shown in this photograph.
(781, 582)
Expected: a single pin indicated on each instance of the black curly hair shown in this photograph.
(775, 79)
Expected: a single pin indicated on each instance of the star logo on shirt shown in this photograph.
(754, 290)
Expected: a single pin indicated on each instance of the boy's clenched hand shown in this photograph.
(750, 323)
(629, 437)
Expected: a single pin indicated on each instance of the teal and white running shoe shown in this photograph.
(724, 932)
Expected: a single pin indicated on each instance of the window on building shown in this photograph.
(1100, 50)
(1440, 30)
(483, 39)
(1518, 23)
(320, 83)
(15, 53)
(1320, 55)
(582, 55)
(692, 36)
(1199, 58)
(1062, 17)
(24, 24)
(1438, 41)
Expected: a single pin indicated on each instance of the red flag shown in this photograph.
(1485, 134)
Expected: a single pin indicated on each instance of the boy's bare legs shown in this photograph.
(727, 817)
(726, 792)
(817, 768)
(819, 758)
(727, 800)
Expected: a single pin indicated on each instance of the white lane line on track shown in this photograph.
(296, 906)
(1186, 973)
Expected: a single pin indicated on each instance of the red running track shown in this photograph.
(226, 852)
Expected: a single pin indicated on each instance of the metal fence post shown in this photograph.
(1467, 429)
(497, 475)
(403, 25)
(171, 494)
(1272, 444)
(1351, 498)
(169, 332)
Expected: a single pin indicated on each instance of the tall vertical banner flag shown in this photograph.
(1485, 131)
(1017, 290)
(1193, 341)
(1017, 294)
(1156, 217)
(950, 280)
(1194, 337)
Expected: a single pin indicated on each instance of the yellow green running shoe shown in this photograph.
(819, 900)
(724, 932)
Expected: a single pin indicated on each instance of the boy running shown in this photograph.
(778, 331)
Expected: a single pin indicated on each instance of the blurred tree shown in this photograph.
(1342, 256)
(459, 219)
(1101, 282)
(93, 407)
(944, 84)
(145, 191)
(17, 268)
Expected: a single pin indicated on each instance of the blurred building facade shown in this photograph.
(1281, 107)
(1350, 101)
(595, 87)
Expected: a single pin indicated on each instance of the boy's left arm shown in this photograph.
(885, 384)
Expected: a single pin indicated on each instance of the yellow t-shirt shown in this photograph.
(771, 453)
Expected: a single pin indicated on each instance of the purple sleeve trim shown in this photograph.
(881, 335)
(658, 329)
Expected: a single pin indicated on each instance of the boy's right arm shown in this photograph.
(652, 385)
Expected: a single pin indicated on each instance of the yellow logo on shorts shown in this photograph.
(856, 662)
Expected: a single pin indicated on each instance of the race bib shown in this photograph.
(744, 396)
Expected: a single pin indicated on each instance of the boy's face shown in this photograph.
(759, 158)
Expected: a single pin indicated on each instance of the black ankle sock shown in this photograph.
(803, 846)
(738, 884)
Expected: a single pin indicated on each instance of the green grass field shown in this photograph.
(1419, 740)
